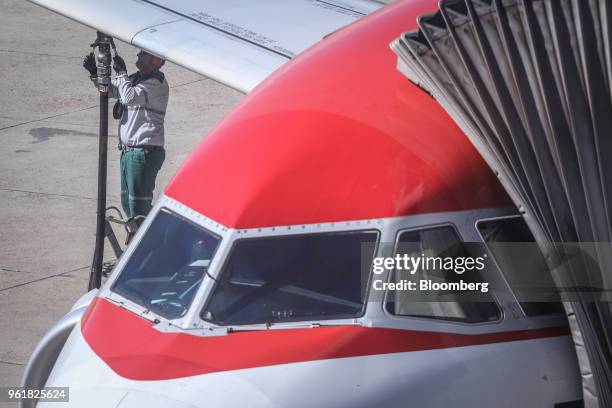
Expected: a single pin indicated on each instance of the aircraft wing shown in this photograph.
(236, 42)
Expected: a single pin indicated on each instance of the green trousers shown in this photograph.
(139, 168)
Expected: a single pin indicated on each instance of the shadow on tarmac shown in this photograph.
(42, 134)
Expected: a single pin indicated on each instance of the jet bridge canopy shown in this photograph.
(528, 81)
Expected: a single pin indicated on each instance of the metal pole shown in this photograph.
(103, 57)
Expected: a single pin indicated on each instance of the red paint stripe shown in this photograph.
(135, 350)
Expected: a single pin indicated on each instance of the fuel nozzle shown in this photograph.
(102, 50)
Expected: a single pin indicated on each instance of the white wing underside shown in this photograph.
(236, 42)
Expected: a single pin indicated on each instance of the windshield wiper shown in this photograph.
(153, 318)
(282, 325)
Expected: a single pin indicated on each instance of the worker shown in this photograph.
(142, 99)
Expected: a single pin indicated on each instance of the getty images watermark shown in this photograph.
(423, 273)
(472, 271)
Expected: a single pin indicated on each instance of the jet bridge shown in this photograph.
(529, 84)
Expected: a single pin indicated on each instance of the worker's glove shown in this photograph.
(119, 65)
(89, 63)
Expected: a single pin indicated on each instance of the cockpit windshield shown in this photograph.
(166, 269)
(289, 278)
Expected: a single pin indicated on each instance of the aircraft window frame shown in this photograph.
(503, 274)
(500, 311)
(223, 268)
(219, 237)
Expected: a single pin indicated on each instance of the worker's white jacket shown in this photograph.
(145, 100)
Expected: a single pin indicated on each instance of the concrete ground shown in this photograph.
(48, 167)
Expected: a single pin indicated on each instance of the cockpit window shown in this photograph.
(289, 278)
(166, 268)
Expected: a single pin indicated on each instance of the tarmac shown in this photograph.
(49, 115)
